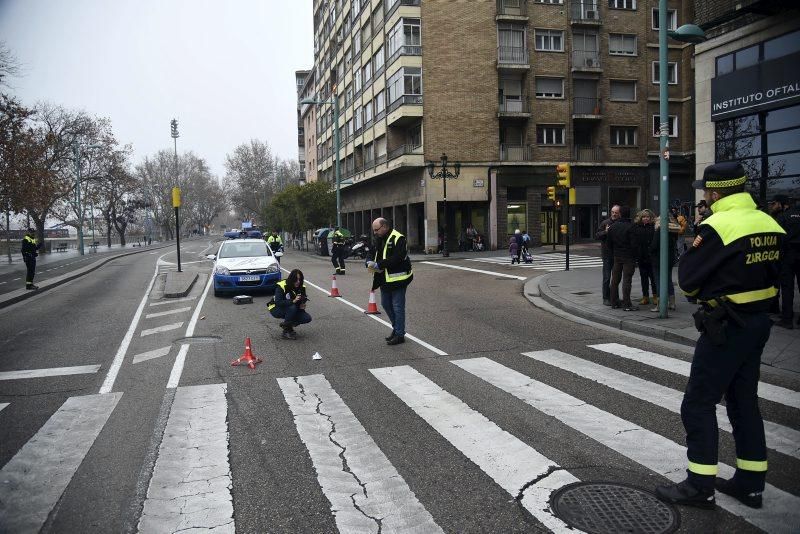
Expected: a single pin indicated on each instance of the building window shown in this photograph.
(356, 80)
(621, 44)
(511, 41)
(622, 90)
(672, 19)
(366, 32)
(369, 154)
(672, 71)
(377, 60)
(380, 103)
(622, 4)
(414, 136)
(366, 72)
(356, 43)
(673, 126)
(517, 216)
(405, 38)
(623, 136)
(549, 40)
(368, 112)
(357, 123)
(549, 134)
(406, 81)
(348, 94)
(549, 87)
(538, 2)
(746, 57)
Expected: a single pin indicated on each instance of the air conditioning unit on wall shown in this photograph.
(590, 62)
(591, 14)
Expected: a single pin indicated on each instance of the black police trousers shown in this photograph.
(731, 370)
(30, 263)
(337, 257)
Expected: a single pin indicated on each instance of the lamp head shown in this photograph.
(430, 168)
(688, 33)
(308, 101)
(444, 159)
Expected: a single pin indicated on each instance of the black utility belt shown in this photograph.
(713, 319)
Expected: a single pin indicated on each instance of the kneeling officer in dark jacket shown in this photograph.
(289, 303)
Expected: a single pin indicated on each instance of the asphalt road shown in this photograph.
(429, 434)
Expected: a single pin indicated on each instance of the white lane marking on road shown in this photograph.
(3, 405)
(507, 460)
(34, 479)
(153, 252)
(151, 354)
(172, 301)
(778, 394)
(15, 279)
(164, 262)
(177, 367)
(119, 357)
(413, 338)
(191, 483)
(644, 447)
(53, 371)
(780, 438)
(159, 329)
(356, 477)
(168, 312)
(504, 275)
(1, 283)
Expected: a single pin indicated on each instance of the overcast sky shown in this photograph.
(223, 68)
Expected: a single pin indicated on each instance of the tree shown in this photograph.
(250, 176)
(9, 64)
(300, 207)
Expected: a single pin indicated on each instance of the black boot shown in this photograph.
(687, 494)
(729, 487)
(396, 340)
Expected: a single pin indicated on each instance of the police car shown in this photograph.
(244, 264)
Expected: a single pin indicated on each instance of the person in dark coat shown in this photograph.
(30, 249)
(608, 260)
(622, 244)
(643, 231)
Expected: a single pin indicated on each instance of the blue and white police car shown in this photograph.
(244, 264)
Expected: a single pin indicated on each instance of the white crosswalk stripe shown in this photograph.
(647, 448)
(547, 262)
(365, 490)
(766, 391)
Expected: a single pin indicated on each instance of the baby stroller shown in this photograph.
(525, 255)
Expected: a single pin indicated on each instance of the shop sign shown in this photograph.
(478, 182)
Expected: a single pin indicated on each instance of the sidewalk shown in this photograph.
(578, 292)
(43, 259)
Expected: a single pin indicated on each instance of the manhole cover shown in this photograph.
(197, 340)
(581, 292)
(605, 507)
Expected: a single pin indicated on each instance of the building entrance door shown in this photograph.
(549, 224)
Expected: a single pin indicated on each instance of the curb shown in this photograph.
(23, 294)
(541, 290)
(182, 293)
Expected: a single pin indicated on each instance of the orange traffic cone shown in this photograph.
(372, 307)
(334, 288)
(247, 357)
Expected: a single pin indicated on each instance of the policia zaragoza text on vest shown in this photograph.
(732, 271)
(29, 252)
(392, 273)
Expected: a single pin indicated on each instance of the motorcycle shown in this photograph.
(360, 248)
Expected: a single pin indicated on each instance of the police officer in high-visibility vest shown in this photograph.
(731, 270)
(30, 249)
(338, 250)
(289, 303)
(392, 273)
(275, 243)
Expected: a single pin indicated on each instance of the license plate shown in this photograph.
(254, 278)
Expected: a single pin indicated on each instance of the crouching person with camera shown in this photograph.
(289, 303)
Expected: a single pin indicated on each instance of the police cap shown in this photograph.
(722, 176)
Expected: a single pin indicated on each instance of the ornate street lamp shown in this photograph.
(444, 174)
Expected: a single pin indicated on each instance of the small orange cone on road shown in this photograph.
(247, 357)
(334, 288)
(372, 307)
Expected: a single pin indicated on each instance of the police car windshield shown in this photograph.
(244, 249)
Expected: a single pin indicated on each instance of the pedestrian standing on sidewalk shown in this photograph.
(789, 220)
(731, 269)
(391, 268)
(30, 249)
(643, 231)
(622, 243)
(655, 260)
(608, 260)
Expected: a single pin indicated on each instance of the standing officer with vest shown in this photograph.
(275, 243)
(338, 251)
(29, 252)
(731, 269)
(392, 273)
(289, 303)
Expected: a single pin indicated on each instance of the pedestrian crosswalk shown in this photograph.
(367, 487)
(555, 261)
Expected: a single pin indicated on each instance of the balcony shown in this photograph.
(516, 153)
(514, 109)
(512, 10)
(587, 108)
(588, 153)
(403, 150)
(586, 61)
(404, 110)
(404, 50)
(513, 58)
(390, 6)
(585, 12)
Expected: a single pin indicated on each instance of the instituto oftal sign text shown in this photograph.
(767, 85)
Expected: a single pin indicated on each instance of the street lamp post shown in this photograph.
(691, 34)
(336, 146)
(444, 174)
(174, 132)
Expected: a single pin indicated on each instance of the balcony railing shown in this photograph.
(403, 150)
(586, 106)
(584, 11)
(381, 158)
(588, 153)
(516, 153)
(515, 106)
(585, 59)
(405, 99)
(405, 50)
(515, 55)
(391, 5)
(517, 8)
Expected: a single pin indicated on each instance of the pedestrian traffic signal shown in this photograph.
(564, 174)
(551, 193)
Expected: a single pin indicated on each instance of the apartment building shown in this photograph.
(748, 91)
(301, 77)
(508, 88)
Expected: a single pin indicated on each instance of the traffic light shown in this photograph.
(564, 174)
(551, 193)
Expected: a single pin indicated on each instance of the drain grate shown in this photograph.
(610, 507)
